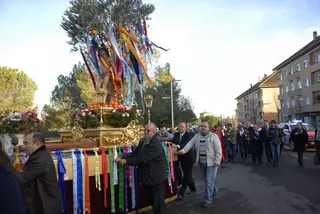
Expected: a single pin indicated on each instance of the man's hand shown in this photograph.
(118, 159)
(180, 152)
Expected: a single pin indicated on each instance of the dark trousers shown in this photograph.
(267, 148)
(300, 158)
(178, 172)
(155, 196)
(244, 151)
(187, 180)
(255, 157)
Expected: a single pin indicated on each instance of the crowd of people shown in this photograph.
(35, 190)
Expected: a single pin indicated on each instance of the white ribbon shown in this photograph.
(83, 181)
(115, 167)
(74, 172)
(132, 185)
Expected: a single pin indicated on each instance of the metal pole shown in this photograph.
(172, 116)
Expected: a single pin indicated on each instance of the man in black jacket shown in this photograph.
(181, 138)
(150, 158)
(39, 178)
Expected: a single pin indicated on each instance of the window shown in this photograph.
(300, 101)
(281, 90)
(288, 104)
(291, 70)
(306, 82)
(287, 73)
(287, 89)
(318, 77)
(307, 100)
(280, 77)
(293, 102)
(318, 58)
(292, 86)
(298, 67)
(299, 84)
(281, 103)
(305, 63)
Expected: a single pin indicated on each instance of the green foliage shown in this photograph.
(54, 116)
(85, 15)
(212, 120)
(16, 90)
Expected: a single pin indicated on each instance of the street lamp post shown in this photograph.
(66, 103)
(171, 97)
(148, 100)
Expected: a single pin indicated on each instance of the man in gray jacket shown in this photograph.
(208, 156)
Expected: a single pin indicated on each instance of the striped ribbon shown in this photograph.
(115, 166)
(87, 183)
(171, 162)
(111, 173)
(61, 173)
(75, 174)
(83, 182)
(104, 174)
(97, 170)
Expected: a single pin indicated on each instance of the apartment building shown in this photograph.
(260, 102)
(299, 81)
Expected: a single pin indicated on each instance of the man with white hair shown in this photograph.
(150, 158)
(208, 156)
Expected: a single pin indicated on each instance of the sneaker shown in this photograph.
(180, 197)
(192, 193)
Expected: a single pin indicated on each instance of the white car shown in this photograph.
(289, 126)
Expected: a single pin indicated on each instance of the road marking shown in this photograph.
(294, 155)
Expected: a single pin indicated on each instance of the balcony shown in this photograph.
(316, 86)
(309, 108)
(296, 92)
(297, 74)
(290, 77)
(280, 97)
(315, 67)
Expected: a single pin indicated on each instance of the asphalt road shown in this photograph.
(245, 188)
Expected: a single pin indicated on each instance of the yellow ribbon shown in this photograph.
(97, 170)
(17, 164)
(125, 36)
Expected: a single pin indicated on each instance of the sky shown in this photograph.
(217, 47)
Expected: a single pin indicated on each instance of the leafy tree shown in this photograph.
(16, 90)
(54, 116)
(211, 119)
(161, 109)
(85, 15)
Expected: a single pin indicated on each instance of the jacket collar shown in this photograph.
(41, 148)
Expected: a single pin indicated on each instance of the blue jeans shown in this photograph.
(275, 147)
(209, 174)
(231, 151)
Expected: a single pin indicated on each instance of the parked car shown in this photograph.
(288, 127)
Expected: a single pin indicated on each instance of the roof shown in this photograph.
(309, 47)
(257, 86)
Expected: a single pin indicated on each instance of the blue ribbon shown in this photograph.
(61, 172)
(79, 182)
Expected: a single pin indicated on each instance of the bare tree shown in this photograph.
(253, 110)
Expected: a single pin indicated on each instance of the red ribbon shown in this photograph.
(104, 174)
(87, 183)
(89, 70)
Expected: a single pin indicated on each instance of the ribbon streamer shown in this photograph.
(79, 182)
(105, 174)
(115, 166)
(121, 185)
(61, 173)
(168, 174)
(87, 184)
(111, 173)
(83, 182)
(89, 70)
(75, 180)
(97, 171)
(126, 180)
(171, 162)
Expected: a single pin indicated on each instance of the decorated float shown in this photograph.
(89, 178)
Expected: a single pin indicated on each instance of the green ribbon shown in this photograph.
(121, 183)
(165, 148)
(110, 162)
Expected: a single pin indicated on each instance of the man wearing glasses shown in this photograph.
(151, 161)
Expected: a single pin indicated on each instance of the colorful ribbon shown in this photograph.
(115, 166)
(168, 174)
(83, 181)
(104, 174)
(132, 184)
(61, 173)
(136, 182)
(75, 180)
(79, 183)
(126, 180)
(171, 162)
(111, 173)
(121, 185)
(97, 170)
(87, 183)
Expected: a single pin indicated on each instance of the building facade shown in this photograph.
(260, 102)
(299, 81)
